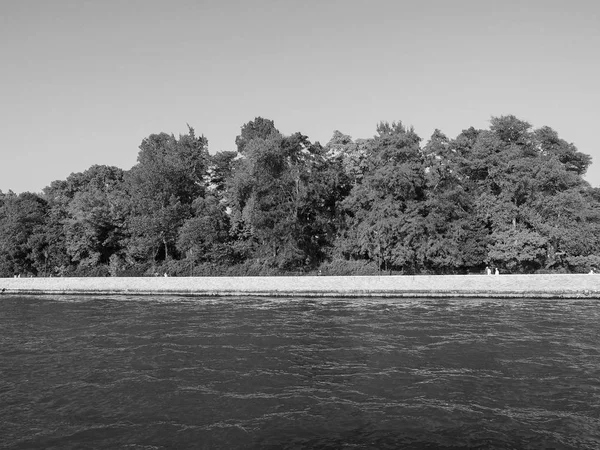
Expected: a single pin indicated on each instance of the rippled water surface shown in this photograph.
(177, 373)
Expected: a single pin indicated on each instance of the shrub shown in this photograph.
(342, 267)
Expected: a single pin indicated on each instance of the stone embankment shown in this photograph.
(502, 286)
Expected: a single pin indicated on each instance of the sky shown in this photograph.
(83, 82)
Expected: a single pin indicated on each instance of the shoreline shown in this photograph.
(400, 286)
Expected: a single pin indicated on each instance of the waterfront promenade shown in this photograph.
(486, 286)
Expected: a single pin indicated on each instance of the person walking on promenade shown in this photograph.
(497, 272)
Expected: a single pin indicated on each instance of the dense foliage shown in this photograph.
(510, 197)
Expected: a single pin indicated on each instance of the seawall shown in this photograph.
(502, 286)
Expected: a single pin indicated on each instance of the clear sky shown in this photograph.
(82, 82)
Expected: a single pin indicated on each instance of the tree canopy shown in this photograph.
(509, 196)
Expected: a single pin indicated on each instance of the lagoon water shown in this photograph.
(259, 373)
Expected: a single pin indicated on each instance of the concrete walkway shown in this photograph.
(502, 286)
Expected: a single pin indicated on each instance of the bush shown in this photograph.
(341, 267)
(583, 264)
(134, 270)
(551, 271)
(87, 271)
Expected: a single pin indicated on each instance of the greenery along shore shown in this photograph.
(507, 197)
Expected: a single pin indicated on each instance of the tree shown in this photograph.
(259, 128)
(272, 194)
(265, 188)
(205, 236)
(350, 154)
(519, 179)
(22, 219)
(86, 219)
(549, 144)
(170, 175)
(384, 209)
(454, 242)
(220, 170)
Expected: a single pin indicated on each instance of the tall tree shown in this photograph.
(22, 218)
(220, 170)
(269, 193)
(170, 175)
(259, 128)
(384, 210)
(518, 178)
(86, 220)
(454, 242)
(205, 236)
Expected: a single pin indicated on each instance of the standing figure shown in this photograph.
(497, 272)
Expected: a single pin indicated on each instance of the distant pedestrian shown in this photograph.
(166, 274)
(488, 270)
(497, 272)
(592, 272)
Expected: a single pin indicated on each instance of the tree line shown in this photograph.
(509, 196)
